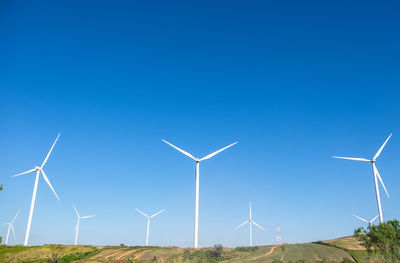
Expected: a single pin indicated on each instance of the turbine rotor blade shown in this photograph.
(51, 149)
(380, 149)
(158, 213)
(15, 217)
(48, 182)
(373, 219)
(143, 213)
(353, 159)
(258, 225)
(84, 217)
(242, 224)
(216, 152)
(30, 171)
(366, 221)
(380, 179)
(182, 151)
(12, 229)
(76, 211)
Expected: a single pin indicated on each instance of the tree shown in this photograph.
(218, 250)
(383, 239)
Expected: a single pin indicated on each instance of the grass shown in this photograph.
(327, 251)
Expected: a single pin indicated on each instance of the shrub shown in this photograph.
(383, 239)
(347, 260)
(218, 250)
(246, 249)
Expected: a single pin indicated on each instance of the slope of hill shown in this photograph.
(338, 250)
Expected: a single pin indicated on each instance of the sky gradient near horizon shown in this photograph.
(294, 82)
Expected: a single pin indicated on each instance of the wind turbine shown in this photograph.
(10, 226)
(197, 160)
(38, 170)
(77, 224)
(251, 222)
(366, 221)
(148, 222)
(375, 174)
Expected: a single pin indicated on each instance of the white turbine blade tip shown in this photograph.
(84, 217)
(216, 152)
(29, 171)
(15, 217)
(51, 149)
(159, 212)
(352, 159)
(182, 151)
(258, 225)
(143, 213)
(242, 224)
(362, 219)
(48, 182)
(380, 149)
(76, 211)
(373, 219)
(380, 180)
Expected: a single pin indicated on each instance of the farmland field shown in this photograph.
(344, 249)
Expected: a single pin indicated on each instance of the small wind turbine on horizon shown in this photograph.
(148, 222)
(11, 227)
(375, 174)
(251, 222)
(197, 175)
(38, 170)
(77, 223)
(366, 221)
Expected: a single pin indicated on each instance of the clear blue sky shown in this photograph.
(295, 82)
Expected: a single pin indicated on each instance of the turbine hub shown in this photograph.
(37, 167)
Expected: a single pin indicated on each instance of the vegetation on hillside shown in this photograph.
(382, 239)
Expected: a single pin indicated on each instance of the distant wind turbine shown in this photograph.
(251, 222)
(366, 221)
(148, 222)
(375, 174)
(38, 170)
(78, 217)
(11, 227)
(197, 160)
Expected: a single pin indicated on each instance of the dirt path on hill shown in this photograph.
(106, 253)
(141, 253)
(268, 253)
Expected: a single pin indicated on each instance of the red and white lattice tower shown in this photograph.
(278, 235)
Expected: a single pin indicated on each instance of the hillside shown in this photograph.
(338, 250)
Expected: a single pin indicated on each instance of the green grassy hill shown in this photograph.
(339, 250)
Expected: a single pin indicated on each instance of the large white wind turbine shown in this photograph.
(38, 170)
(148, 222)
(251, 222)
(366, 221)
(11, 227)
(197, 160)
(77, 224)
(375, 174)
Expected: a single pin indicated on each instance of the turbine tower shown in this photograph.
(77, 223)
(148, 222)
(38, 170)
(366, 221)
(197, 175)
(11, 227)
(376, 175)
(251, 222)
